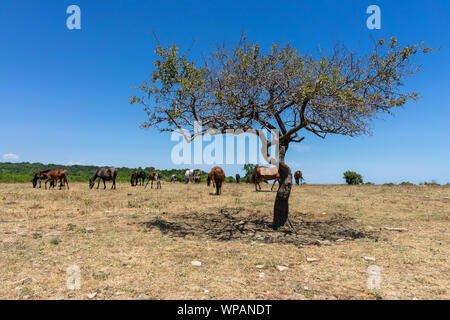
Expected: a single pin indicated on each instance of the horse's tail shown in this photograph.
(208, 181)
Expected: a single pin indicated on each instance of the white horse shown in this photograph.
(189, 175)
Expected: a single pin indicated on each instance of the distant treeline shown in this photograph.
(24, 172)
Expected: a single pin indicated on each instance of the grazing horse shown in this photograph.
(238, 177)
(266, 173)
(137, 177)
(298, 176)
(105, 174)
(217, 176)
(173, 178)
(41, 175)
(133, 179)
(190, 174)
(154, 176)
(54, 175)
(141, 178)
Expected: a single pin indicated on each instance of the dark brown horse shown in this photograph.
(137, 178)
(298, 176)
(41, 175)
(217, 176)
(133, 178)
(266, 173)
(105, 174)
(154, 176)
(238, 177)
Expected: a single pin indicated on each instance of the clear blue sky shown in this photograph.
(64, 94)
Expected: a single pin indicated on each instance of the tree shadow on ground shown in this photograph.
(237, 224)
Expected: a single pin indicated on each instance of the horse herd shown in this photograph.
(216, 177)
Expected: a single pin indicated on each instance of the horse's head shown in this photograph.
(91, 183)
(34, 181)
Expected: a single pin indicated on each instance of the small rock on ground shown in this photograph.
(92, 295)
(281, 268)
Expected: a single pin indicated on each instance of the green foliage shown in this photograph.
(55, 241)
(24, 172)
(338, 91)
(406, 183)
(352, 177)
(432, 183)
(230, 179)
(248, 168)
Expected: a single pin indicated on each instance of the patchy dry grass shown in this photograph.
(133, 243)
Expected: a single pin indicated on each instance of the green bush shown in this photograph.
(432, 183)
(248, 168)
(352, 177)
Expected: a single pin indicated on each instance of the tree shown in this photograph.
(245, 88)
(248, 168)
(351, 177)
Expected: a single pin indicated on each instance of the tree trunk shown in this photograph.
(281, 207)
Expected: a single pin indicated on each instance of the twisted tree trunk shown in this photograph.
(281, 207)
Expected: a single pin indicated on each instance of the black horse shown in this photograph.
(138, 178)
(106, 174)
(238, 177)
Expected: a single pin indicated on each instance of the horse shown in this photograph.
(54, 175)
(141, 178)
(238, 177)
(137, 177)
(197, 178)
(40, 176)
(298, 176)
(133, 179)
(217, 176)
(173, 178)
(190, 174)
(154, 176)
(266, 173)
(106, 174)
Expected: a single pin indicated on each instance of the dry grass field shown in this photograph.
(132, 243)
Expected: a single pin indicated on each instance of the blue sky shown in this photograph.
(65, 93)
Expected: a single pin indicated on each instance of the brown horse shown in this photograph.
(41, 175)
(266, 173)
(298, 176)
(55, 175)
(217, 176)
(154, 176)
